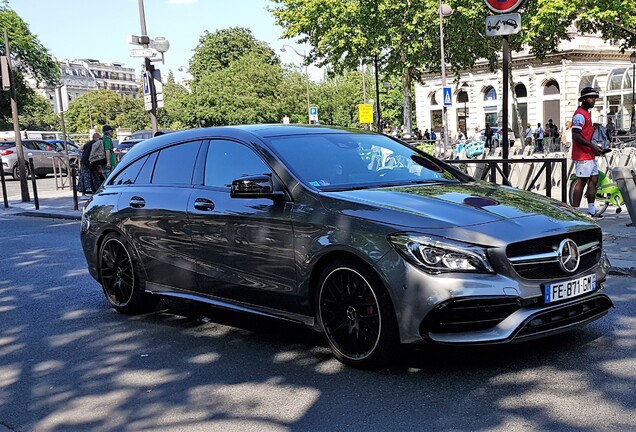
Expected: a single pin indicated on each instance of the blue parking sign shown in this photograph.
(313, 111)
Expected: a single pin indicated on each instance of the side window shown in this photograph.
(30, 145)
(129, 174)
(175, 165)
(146, 171)
(228, 160)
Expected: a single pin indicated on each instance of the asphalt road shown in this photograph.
(70, 363)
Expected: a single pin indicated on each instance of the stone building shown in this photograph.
(540, 89)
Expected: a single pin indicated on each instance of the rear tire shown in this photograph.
(122, 278)
(356, 315)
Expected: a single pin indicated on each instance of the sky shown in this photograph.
(99, 29)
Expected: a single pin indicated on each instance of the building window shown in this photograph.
(551, 88)
(490, 94)
(521, 91)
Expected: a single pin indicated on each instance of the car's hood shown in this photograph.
(448, 205)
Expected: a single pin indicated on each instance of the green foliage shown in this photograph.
(102, 107)
(38, 114)
(247, 91)
(337, 100)
(28, 55)
(216, 51)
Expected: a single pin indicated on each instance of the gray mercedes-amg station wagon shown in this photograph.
(356, 234)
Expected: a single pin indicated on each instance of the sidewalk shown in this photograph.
(619, 240)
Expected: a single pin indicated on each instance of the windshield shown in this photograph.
(349, 161)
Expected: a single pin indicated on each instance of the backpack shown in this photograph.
(599, 137)
(433, 135)
(98, 153)
(555, 132)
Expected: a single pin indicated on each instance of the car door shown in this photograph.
(244, 247)
(153, 213)
(37, 151)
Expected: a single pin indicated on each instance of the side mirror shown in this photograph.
(255, 186)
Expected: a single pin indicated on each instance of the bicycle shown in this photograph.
(607, 192)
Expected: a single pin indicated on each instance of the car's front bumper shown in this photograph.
(502, 309)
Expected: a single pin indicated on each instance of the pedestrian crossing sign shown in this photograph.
(448, 99)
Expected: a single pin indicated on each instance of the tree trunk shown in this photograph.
(408, 99)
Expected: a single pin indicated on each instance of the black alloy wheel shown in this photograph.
(122, 280)
(356, 315)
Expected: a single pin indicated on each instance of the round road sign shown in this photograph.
(503, 6)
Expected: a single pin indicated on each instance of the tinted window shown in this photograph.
(129, 174)
(175, 165)
(229, 160)
(146, 171)
(332, 161)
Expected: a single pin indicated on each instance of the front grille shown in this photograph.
(565, 316)
(465, 315)
(522, 255)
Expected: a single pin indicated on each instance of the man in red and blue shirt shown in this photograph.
(584, 152)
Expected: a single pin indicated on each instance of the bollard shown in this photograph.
(35, 186)
(74, 180)
(4, 187)
(625, 179)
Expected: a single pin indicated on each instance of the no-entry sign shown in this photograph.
(503, 6)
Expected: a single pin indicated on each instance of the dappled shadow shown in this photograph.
(69, 362)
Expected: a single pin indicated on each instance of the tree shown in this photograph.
(38, 114)
(247, 91)
(402, 34)
(216, 51)
(101, 107)
(29, 57)
(173, 115)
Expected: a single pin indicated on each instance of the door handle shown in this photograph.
(137, 202)
(203, 204)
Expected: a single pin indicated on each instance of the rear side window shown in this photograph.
(130, 173)
(175, 165)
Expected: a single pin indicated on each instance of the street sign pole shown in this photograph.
(504, 123)
(149, 69)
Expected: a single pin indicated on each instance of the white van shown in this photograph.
(37, 135)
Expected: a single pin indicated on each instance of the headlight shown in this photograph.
(440, 255)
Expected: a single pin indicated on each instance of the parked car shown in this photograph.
(145, 134)
(122, 147)
(60, 146)
(43, 153)
(498, 136)
(358, 235)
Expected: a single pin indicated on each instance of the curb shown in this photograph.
(49, 215)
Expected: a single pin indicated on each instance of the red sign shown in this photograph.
(503, 6)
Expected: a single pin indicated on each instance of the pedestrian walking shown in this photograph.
(111, 157)
(584, 152)
(611, 130)
(538, 138)
(488, 133)
(566, 137)
(529, 135)
(89, 179)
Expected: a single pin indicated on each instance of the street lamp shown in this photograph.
(444, 12)
(304, 56)
(632, 128)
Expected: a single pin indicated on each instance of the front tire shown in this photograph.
(122, 278)
(356, 315)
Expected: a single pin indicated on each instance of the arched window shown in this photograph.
(520, 91)
(462, 96)
(433, 101)
(551, 88)
(490, 94)
(615, 80)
